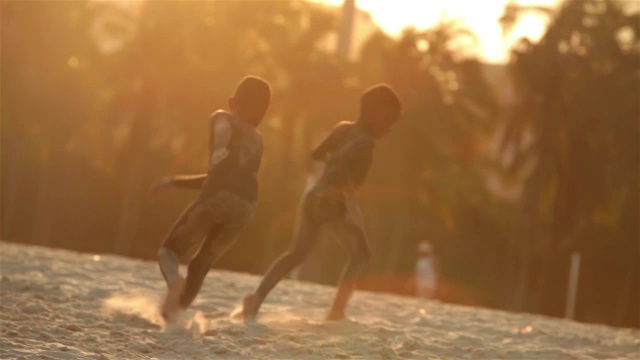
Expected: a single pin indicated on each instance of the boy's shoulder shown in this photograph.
(349, 131)
(221, 114)
(220, 119)
(342, 129)
(352, 137)
(233, 123)
(353, 128)
(225, 117)
(344, 126)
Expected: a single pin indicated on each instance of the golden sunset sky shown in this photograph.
(480, 16)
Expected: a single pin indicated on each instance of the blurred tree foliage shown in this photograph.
(575, 132)
(100, 98)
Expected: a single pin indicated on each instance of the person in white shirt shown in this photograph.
(426, 275)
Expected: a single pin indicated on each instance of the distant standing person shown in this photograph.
(227, 198)
(331, 202)
(426, 271)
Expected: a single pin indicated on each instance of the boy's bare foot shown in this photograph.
(336, 315)
(171, 304)
(250, 307)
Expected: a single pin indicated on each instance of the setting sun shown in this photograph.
(481, 17)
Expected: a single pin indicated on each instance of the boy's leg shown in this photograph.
(216, 243)
(231, 213)
(354, 238)
(189, 229)
(304, 240)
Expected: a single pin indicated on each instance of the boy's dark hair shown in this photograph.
(378, 98)
(252, 98)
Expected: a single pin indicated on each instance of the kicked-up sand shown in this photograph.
(57, 304)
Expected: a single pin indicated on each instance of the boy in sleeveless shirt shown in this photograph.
(330, 203)
(227, 198)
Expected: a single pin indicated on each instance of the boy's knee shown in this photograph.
(169, 264)
(167, 256)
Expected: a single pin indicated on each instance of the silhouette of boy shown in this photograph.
(227, 198)
(331, 204)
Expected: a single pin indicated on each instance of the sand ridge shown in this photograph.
(57, 304)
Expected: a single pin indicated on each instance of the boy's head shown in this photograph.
(251, 99)
(380, 107)
(425, 248)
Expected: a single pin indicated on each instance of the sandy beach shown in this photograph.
(58, 304)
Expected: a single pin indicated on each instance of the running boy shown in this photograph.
(331, 204)
(227, 198)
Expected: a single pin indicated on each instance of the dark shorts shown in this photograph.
(229, 208)
(222, 216)
(322, 206)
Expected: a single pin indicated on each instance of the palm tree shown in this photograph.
(578, 102)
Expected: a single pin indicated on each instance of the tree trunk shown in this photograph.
(625, 296)
(41, 225)
(134, 182)
(14, 160)
(402, 226)
(131, 204)
(540, 284)
(283, 202)
(522, 277)
(518, 262)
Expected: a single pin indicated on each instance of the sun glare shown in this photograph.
(481, 17)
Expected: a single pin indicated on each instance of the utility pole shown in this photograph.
(572, 288)
(344, 47)
(346, 31)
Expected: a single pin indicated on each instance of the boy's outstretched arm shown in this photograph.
(220, 134)
(194, 182)
(188, 181)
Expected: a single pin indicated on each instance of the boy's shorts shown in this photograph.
(322, 206)
(229, 208)
(220, 216)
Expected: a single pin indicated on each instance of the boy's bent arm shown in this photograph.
(320, 152)
(353, 210)
(220, 134)
(184, 181)
(360, 159)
